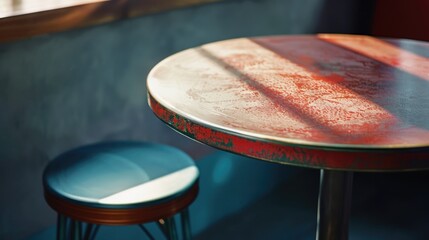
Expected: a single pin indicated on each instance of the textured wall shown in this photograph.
(62, 90)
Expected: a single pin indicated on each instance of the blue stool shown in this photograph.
(120, 183)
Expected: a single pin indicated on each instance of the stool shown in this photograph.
(120, 183)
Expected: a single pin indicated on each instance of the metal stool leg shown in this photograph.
(334, 205)
(75, 230)
(186, 225)
(61, 227)
(171, 228)
(94, 233)
(144, 229)
(90, 231)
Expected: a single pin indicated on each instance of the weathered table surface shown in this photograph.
(335, 102)
(326, 101)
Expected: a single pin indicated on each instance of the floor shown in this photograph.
(385, 206)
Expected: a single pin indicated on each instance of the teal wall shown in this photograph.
(62, 90)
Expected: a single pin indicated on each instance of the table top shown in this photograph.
(325, 101)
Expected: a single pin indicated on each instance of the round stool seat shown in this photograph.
(121, 183)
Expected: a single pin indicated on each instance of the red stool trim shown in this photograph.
(109, 216)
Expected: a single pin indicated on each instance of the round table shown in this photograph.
(339, 103)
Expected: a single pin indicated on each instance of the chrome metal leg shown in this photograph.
(94, 232)
(186, 225)
(171, 228)
(75, 230)
(90, 231)
(144, 229)
(334, 205)
(61, 227)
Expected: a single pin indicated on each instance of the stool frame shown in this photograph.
(161, 212)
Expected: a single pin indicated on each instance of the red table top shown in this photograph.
(325, 101)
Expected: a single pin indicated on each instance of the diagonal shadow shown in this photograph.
(279, 101)
(403, 94)
(383, 52)
(412, 46)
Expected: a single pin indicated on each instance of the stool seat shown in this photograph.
(120, 173)
(119, 183)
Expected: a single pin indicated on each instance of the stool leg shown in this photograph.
(61, 227)
(171, 228)
(186, 225)
(75, 230)
(148, 234)
(94, 233)
(90, 231)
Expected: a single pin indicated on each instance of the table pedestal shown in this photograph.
(334, 204)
